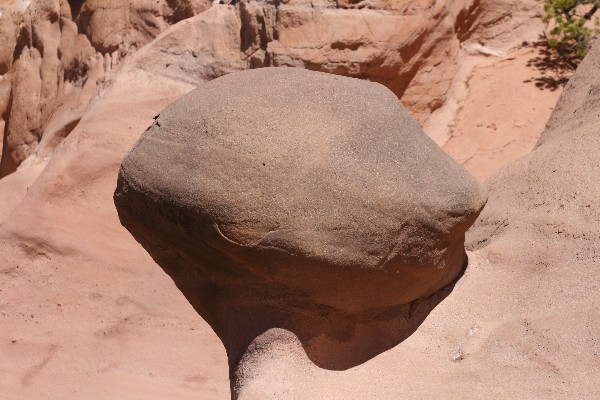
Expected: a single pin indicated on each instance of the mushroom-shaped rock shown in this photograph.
(285, 200)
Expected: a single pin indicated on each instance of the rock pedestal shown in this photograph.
(290, 203)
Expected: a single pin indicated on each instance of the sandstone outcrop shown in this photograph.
(67, 264)
(411, 47)
(282, 198)
(63, 49)
(54, 53)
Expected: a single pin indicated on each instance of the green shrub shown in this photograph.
(570, 33)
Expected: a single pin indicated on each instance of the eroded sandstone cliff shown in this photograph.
(86, 313)
(54, 53)
(58, 52)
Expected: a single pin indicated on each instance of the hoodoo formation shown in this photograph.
(288, 201)
(311, 244)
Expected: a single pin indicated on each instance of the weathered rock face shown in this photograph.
(62, 48)
(54, 53)
(106, 307)
(127, 25)
(411, 47)
(191, 52)
(283, 198)
(379, 40)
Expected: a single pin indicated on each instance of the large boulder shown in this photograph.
(284, 198)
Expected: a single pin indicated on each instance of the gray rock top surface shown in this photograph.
(318, 165)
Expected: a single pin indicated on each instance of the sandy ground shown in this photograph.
(71, 331)
(497, 108)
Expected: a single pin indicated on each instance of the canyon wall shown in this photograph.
(58, 53)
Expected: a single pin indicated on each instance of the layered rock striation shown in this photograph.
(554, 189)
(302, 201)
(411, 47)
(59, 53)
(56, 53)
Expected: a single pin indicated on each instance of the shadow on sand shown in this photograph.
(554, 70)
